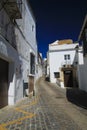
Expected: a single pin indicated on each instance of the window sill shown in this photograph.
(33, 75)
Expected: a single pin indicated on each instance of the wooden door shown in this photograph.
(31, 84)
(68, 78)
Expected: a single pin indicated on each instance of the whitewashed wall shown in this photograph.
(56, 60)
(40, 71)
(82, 72)
(8, 53)
(26, 42)
(19, 60)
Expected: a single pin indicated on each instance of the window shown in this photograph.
(57, 74)
(67, 57)
(32, 63)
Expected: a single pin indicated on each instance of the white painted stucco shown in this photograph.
(82, 72)
(82, 68)
(56, 57)
(23, 35)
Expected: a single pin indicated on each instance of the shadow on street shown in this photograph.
(47, 79)
(77, 97)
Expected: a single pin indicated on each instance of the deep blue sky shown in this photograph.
(57, 19)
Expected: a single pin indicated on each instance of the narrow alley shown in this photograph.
(48, 110)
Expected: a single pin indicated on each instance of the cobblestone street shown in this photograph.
(48, 110)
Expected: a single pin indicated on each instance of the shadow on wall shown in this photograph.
(77, 97)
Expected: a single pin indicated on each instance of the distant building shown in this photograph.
(39, 66)
(18, 51)
(45, 66)
(48, 69)
(82, 68)
(62, 58)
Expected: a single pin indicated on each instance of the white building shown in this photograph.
(62, 63)
(18, 50)
(45, 66)
(82, 68)
(40, 66)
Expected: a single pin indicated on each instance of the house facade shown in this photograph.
(18, 51)
(63, 63)
(82, 69)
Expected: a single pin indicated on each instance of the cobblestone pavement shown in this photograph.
(49, 110)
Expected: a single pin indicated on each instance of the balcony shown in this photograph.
(66, 64)
(13, 8)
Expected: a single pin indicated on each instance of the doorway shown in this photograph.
(31, 84)
(68, 78)
(3, 83)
